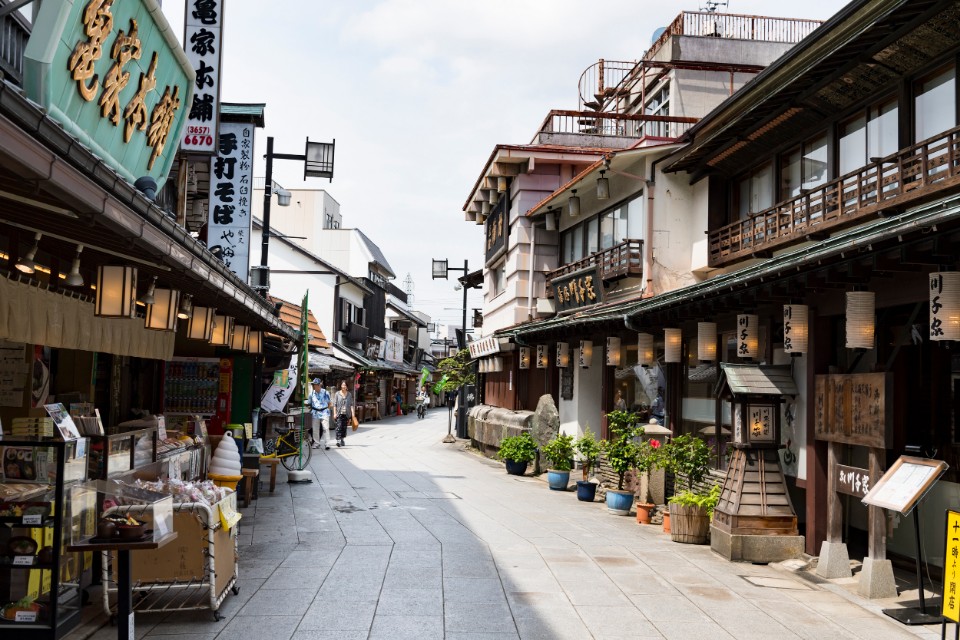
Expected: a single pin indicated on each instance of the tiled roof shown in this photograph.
(290, 314)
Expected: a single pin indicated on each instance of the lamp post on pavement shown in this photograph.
(440, 270)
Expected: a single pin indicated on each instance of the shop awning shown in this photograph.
(323, 363)
(353, 356)
(756, 379)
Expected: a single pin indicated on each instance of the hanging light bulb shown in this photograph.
(573, 205)
(644, 349)
(603, 187)
(551, 219)
(74, 279)
(707, 341)
(26, 264)
(186, 307)
(148, 298)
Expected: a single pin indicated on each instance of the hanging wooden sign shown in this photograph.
(854, 409)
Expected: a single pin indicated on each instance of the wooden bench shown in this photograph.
(273, 462)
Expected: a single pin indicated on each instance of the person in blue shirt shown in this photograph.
(320, 414)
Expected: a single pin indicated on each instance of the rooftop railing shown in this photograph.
(619, 261)
(559, 126)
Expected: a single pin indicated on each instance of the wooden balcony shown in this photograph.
(910, 176)
(624, 260)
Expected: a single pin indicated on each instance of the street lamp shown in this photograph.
(441, 269)
(317, 162)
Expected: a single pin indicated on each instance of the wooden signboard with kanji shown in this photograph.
(854, 409)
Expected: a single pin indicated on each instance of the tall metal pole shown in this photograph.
(267, 194)
(462, 411)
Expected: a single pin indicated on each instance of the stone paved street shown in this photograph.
(401, 536)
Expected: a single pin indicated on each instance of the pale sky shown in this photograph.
(418, 92)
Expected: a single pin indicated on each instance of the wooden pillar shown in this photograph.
(876, 520)
(834, 504)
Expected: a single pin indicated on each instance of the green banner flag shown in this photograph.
(424, 374)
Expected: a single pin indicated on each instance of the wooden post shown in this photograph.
(876, 521)
(834, 505)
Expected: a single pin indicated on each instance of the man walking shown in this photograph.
(320, 414)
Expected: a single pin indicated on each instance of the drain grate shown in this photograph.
(427, 495)
(777, 583)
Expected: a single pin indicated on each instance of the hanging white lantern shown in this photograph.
(613, 351)
(672, 345)
(748, 336)
(644, 349)
(200, 326)
(482, 366)
(945, 305)
(861, 308)
(498, 364)
(255, 342)
(707, 341)
(563, 354)
(162, 314)
(116, 292)
(222, 331)
(524, 357)
(241, 334)
(542, 362)
(795, 328)
(586, 354)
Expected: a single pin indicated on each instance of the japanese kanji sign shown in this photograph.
(852, 481)
(277, 395)
(231, 177)
(497, 228)
(114, 76)
(579, 289)
(951, 599)
(203, 43)
(854, 409)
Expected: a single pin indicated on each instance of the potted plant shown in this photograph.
(688, 457)
(517, 452)
(648, 458)
(559, 452)
(589, 451)
(622, 451)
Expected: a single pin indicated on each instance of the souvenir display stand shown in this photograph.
(119, 453)
(40, 592)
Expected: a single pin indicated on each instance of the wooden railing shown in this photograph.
(592, 123)
(911, 174)
(14, 33)
(620, 261)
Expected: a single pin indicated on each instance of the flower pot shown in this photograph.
(586, 491)
(643, 512)
(558, 480)
(666, 521)
(690, 524)
(515, 468)
(619, 502)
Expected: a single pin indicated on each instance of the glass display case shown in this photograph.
(40, 592)
(107, 510)
(119, 453)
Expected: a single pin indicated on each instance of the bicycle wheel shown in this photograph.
(295, 462)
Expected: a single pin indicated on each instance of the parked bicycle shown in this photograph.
(291, 447)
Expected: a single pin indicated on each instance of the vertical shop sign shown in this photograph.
(277, 395)
(203, 43)
(230, 223)
(951, 599)
(13, 374)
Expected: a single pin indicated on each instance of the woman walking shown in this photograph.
(342, 412)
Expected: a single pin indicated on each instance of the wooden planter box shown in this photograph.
(689, 525)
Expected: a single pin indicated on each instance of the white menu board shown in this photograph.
(13, 374)
(905, 483)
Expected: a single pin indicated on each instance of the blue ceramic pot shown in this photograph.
(558, 480)
(619, 502)
(586, 491)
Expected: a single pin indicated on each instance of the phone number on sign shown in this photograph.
(197, 136)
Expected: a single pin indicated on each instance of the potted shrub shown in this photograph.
(559, 452)
(517, 452)
(648, 458)
(688, 457)
(588, 449)
(622, 451)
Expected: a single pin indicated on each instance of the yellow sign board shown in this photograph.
(951, 568)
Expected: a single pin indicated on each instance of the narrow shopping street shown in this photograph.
(401, 536)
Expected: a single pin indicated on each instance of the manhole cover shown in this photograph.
(776, 583)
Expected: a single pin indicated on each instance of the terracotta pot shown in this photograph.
(643, 512)
(666, 522)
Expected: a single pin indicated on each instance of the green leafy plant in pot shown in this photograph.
(559, 452)
(517, 452)
(688, 457)
(622, 452)
(588, 449)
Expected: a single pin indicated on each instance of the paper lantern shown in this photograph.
(644, 349)
(482, 366)
(707, 341)
(586, 354)
(795, 328)
(162, 314)
(222, 331)
(241, 333)
(200, 326)
(498, 364)
(861, 306)
(563, 354)
(748, 336)
(542, 362)
(945, 305)
(116, 292)
(255, 342)
(524, 357)
(672, 345)
(613, 351)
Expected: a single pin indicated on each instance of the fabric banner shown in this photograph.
(277, 395)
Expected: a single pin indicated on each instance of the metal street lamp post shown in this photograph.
(440, 270)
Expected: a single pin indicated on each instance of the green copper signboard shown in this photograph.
(112, 73)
